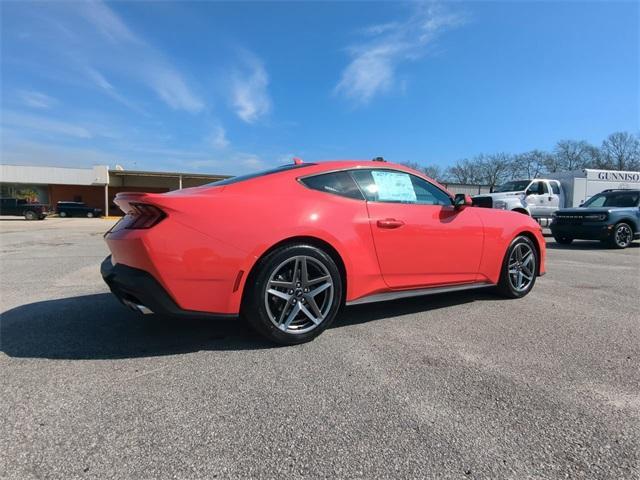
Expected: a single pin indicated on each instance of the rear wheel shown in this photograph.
(621, 236)
(63, 214)
(562, 240)
(30, 215)
(519, 268)
(295, 294)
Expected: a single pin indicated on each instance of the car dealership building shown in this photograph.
(96, 186)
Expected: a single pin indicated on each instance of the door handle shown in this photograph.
(389, 223)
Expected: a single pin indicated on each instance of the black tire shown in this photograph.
(90, 215)
(63, 214)
(257, 303)
(30, 215)
(506, 285)
(621, 235)
(563, 240)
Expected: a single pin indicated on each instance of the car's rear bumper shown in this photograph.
(141, 292)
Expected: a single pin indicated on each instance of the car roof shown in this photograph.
(621, 190)
(333, 165)
(305, 169)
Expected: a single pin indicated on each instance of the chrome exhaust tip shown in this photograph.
(136, 307)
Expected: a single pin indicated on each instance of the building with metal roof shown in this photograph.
(96, 186)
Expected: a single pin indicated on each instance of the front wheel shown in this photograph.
(89, 214)
(519, 268)
(30, 215)
(621, 236)
(63, 214)
(295, 294)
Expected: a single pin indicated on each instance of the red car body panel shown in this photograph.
(212, 236)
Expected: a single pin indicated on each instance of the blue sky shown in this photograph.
(237, 86)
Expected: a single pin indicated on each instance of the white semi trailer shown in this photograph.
(541, 197)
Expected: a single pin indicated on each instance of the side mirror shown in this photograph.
(462, 200)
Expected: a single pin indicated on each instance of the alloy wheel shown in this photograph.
(623, 235)
(522, 267)
(299, 294)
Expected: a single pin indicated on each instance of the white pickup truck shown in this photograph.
(541, 197)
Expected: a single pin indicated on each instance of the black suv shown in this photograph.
(612, 216)
(76, 209)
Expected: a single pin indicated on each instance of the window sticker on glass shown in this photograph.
(393, 186)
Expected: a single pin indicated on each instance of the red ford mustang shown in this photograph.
(287, 247)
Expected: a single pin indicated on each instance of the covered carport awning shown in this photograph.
(170, 180)
(140, 179)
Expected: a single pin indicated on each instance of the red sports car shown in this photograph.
(287, 247)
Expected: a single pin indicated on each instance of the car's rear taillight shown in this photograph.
(144, 215)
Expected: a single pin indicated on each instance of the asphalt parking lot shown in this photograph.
(464, 385)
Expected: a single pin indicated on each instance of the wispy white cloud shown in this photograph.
(249, 94)
(374, 62)
(35, 99)
(233, 162)
(172, 88)
(137, 59)
(107, 22)
(218, 138)
(35, 153)
(101, 82)
(44, 125)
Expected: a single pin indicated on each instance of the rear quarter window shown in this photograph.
(337, 183)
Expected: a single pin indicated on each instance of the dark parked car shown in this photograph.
(612, 216)
(22, 208)
(77, 209)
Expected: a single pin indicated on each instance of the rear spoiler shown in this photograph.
(170, 201)
(125, 199)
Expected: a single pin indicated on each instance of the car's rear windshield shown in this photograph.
(262, 173)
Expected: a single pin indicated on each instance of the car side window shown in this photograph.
(538, 188)
(338, 183)
(429, 194)
(622, 200)
(393, 186)
(545, 188)
(555, 186)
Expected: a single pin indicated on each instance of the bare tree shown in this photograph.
(530, 164)
(412, 165)
(552, 164)
(433, 171)
(465, 171)
(573, 155)
(621, 151)
(495, 168)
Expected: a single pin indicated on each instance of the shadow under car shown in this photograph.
(99, 327)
